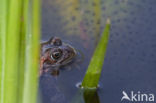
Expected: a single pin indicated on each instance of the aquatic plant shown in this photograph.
(93, 73)
(19, 50)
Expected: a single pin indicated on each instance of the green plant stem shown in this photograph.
(93, 73)
(3, 24)
(11, 54)
(22, 52)
(32, 53)
(19, 50)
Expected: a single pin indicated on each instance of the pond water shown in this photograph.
(130, 60)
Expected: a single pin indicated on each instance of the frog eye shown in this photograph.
(56, 54)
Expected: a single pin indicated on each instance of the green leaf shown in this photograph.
(93, 73)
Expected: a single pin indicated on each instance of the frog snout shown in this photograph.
(70, 51)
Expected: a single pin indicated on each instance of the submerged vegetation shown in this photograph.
(19, 50)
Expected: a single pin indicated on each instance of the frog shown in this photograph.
(54, 54)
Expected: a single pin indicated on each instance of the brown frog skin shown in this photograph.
(55, 53)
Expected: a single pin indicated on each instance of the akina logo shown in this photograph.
(137, 97)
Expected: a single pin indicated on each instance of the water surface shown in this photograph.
(130, 59)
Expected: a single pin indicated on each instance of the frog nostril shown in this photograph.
(57, 41)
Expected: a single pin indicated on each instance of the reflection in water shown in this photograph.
(49, 90)
(91, 96)
(86, 96)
